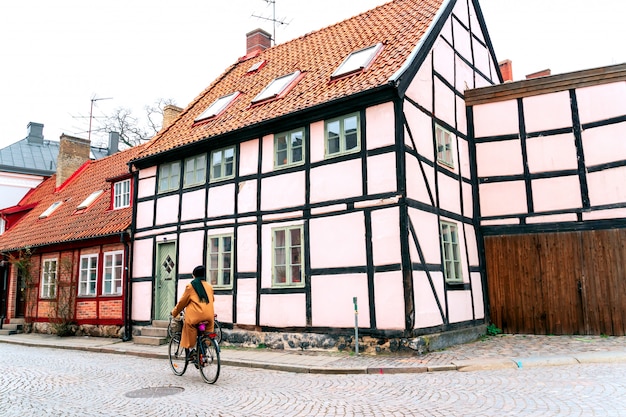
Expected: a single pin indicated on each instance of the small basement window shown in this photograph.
(217, 106)
(276, 87)
(357, 60)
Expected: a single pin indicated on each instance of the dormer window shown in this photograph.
(357, 60)
(217, 107)
(121, 194)
(87, 202)
(276, 87)
(50, 209)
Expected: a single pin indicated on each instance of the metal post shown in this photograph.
(356, 326)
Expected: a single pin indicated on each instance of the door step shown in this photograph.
(155, 334)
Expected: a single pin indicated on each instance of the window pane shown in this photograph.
(350, 129)
(296, 277)
(280, 256)
(213, 277)
(279, 239)
(281, 278)
(226, 277)
(333, 137)
(281, 158)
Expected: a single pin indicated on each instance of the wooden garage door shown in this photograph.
(558, 283)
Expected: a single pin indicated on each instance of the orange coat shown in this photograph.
(195, 312)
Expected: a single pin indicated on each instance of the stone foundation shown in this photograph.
(82, 330)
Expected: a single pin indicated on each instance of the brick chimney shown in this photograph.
(35, 133)
(543, 73)
(258, 40)
(170, 113)
(73, 153)
(506, 69)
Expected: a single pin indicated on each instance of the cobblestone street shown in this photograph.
(60, 382)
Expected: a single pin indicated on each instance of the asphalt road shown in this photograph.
(57, 382)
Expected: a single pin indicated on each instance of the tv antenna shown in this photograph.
(94, 99)
(272, 19)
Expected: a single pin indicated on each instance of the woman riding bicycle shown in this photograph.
(197, 301)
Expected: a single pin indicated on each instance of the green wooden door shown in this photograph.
(165, 291)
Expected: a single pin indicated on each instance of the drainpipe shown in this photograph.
(3, 303)
(128, 333)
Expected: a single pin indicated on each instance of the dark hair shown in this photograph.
(199, 271)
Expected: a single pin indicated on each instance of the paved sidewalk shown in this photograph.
(496, 352)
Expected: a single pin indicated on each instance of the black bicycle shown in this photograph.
(206, 357)
(217, 328)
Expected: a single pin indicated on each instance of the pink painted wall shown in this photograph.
(338, 241)
(335, 308)
(167, 209)
(145, 214)
(389, 296)
(537, 119)
(283, 310)
(246, 301)
(386, 237)
(601, 102)
(249, 157)
(382, 174)
(142, 301)
(282, 191)
(336, 181)
(247, 196)
(191, 245)
(380, 128)
(426, 311)
(246, 248)
(193, 205)
(221, 200)
(500, 198)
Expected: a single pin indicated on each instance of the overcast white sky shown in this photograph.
(55, 56)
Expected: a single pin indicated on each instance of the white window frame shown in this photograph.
(220, 261)
(222, 164)
(121, 194)
(217, 107)
(3, 225)
(357, 60)
(88, 275)
(89, 200)
(113, 273)
(341, 137)
(451, 252)
(49, 274)
(289, 137)
(284, 261)
(194, 170)
(276, 87)
(445, 146)
(50, 209)
(169, 173)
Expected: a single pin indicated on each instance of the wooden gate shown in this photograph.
(558, 283)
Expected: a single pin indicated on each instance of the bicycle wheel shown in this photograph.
(209, 360)
(218, 332)
(178, 356)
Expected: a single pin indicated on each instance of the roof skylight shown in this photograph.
(276, 87)
(257, 66)
(357, 60)
(87, 202)
(50, 209)
(217, 106)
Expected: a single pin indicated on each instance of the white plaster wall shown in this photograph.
(283, 310)
(283, 191)
(499, 158)
(461, 12)
(146, 187)
(167, 209)
(145, 214)
(475, 25)
(249, 157)
(246, 248)
(389, 300)
(604, 144)
(190, 249)
(336, 181)
(460, 306)
(142, 301)
(381, 173)
(380, 126)
(601, 102)
(501, 198)
(338, 241)
(551, 153)
(556, 193)
(427, 313)
(246, 301)
(426, 226)
(607, 187)
(193, 205)
(386, 236)
(221, 200)
(495, 119)
(538, 118)
(142, 249)
(331, 300)
(247, 197)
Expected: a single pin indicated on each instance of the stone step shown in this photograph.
(154, 331)
(7, 332)
(12, 326)
(18, 321)
(160, 323)
(149, 340)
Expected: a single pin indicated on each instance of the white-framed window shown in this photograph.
(287, 256)
(169, 176)
(220, 262)
(343, 135)
(3, 225)
(195, 170)
(289, 148)
(89, 200)
(50, 209)
(451, 252)
(88, 275)
(217, 106)
(445, 151)
(121, 194)
(223, 163)
(113, 273)
(49, 278)
(357, 60)
(276, 87)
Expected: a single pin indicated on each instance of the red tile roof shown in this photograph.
(399, 25)
(64, 224)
